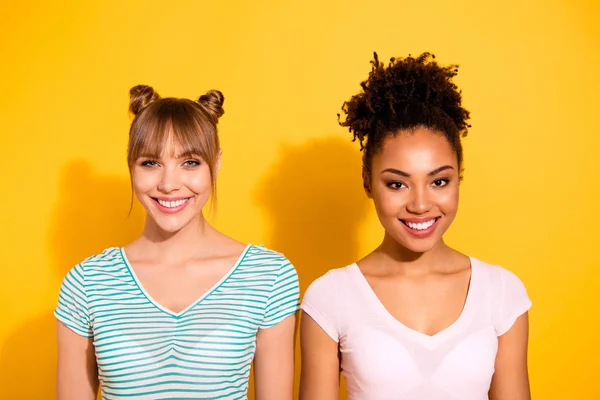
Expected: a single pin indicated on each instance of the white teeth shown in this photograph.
(421, 226)
(172, 204)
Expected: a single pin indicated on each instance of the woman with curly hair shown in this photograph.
(184, 310)
(415, 319)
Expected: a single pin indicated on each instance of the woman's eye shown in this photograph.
(191, 163)
(395, 185)
(149, 163)
(440, 182)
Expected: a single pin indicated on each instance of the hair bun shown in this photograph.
(141, 96)
(212, 102)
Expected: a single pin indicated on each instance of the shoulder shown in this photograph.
(332, 282)
(324, 298)
(498, 277)
(108, 257)
(260, 261)
(261, 255)
(80, 280)
(507, 294)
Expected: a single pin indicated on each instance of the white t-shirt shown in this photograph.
(383, 359)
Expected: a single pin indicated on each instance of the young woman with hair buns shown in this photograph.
(414, 319)
(184, 310)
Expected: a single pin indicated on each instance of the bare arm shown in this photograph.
(320, 377)
(511, 379)
(77, 374)
(274, 361)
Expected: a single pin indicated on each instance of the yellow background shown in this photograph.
(291, 176)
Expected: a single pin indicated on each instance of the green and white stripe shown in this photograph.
(205, 351)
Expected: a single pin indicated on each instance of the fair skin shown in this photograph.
(177, 259)
(422, 282)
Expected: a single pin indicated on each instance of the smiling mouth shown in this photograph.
(420, 226)
(171, 204)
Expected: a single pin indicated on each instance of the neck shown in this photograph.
(405, 261)
(181, 244)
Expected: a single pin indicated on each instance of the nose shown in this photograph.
(420, 201)
(169, 181)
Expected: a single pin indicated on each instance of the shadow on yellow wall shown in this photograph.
(91, 214)
(312, 199)
(314, 205)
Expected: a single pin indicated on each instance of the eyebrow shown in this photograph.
(189, 154)
(407, 175)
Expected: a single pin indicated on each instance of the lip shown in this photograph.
(421, 233)
(172, 198)
(418, 220)
(170, 210)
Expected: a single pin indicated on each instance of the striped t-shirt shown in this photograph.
(205, 351)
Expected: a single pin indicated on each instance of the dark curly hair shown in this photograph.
(409, 93)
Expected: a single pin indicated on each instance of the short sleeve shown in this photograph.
(512, 302)
(72, 307)
(284, 297)
(319, 303)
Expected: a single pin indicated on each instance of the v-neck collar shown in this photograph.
(377, 305)
(194, 303)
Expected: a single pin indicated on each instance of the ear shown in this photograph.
(218, 166)
(367, 184)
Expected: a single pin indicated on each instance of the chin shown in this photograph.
(170, 225)
(169, 228)
(416, 245)
(419, 247)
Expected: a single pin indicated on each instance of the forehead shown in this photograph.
(168, 145)
(420, 148)
(171, 147)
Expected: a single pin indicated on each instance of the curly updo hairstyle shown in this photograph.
(409, 93)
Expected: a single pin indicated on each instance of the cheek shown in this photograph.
(387, 202)
(199, 182)
(448, 200)
(143, 182)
